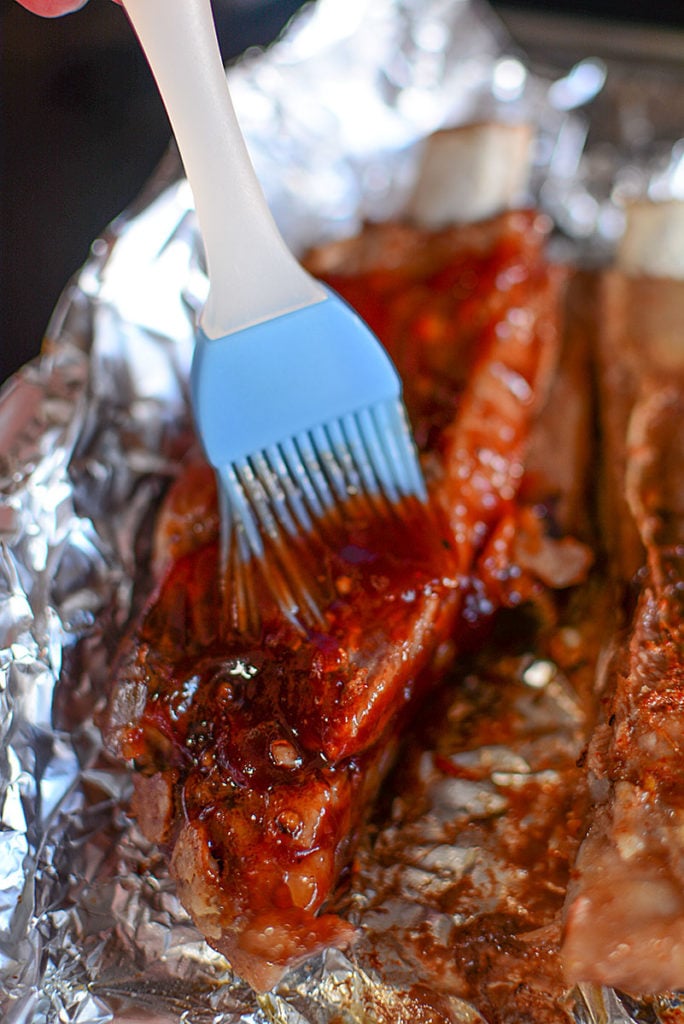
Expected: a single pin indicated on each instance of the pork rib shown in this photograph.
(625, 910)
(259, 757)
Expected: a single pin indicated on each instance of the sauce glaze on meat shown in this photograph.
(259, 757)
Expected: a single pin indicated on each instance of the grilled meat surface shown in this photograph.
(259, 757)
(625, 910)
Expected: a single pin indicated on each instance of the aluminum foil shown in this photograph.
(91, 434)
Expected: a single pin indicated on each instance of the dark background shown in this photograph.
(82, 129)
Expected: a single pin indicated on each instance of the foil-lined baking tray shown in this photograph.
(92, 433)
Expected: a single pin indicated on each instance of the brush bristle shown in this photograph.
(275, 499)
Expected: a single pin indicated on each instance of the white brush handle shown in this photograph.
(252, 274)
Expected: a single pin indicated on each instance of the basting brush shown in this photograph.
(296, 402)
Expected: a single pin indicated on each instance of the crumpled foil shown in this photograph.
(91, 434)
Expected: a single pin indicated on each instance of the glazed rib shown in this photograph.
(625, 911)
(260, 757)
